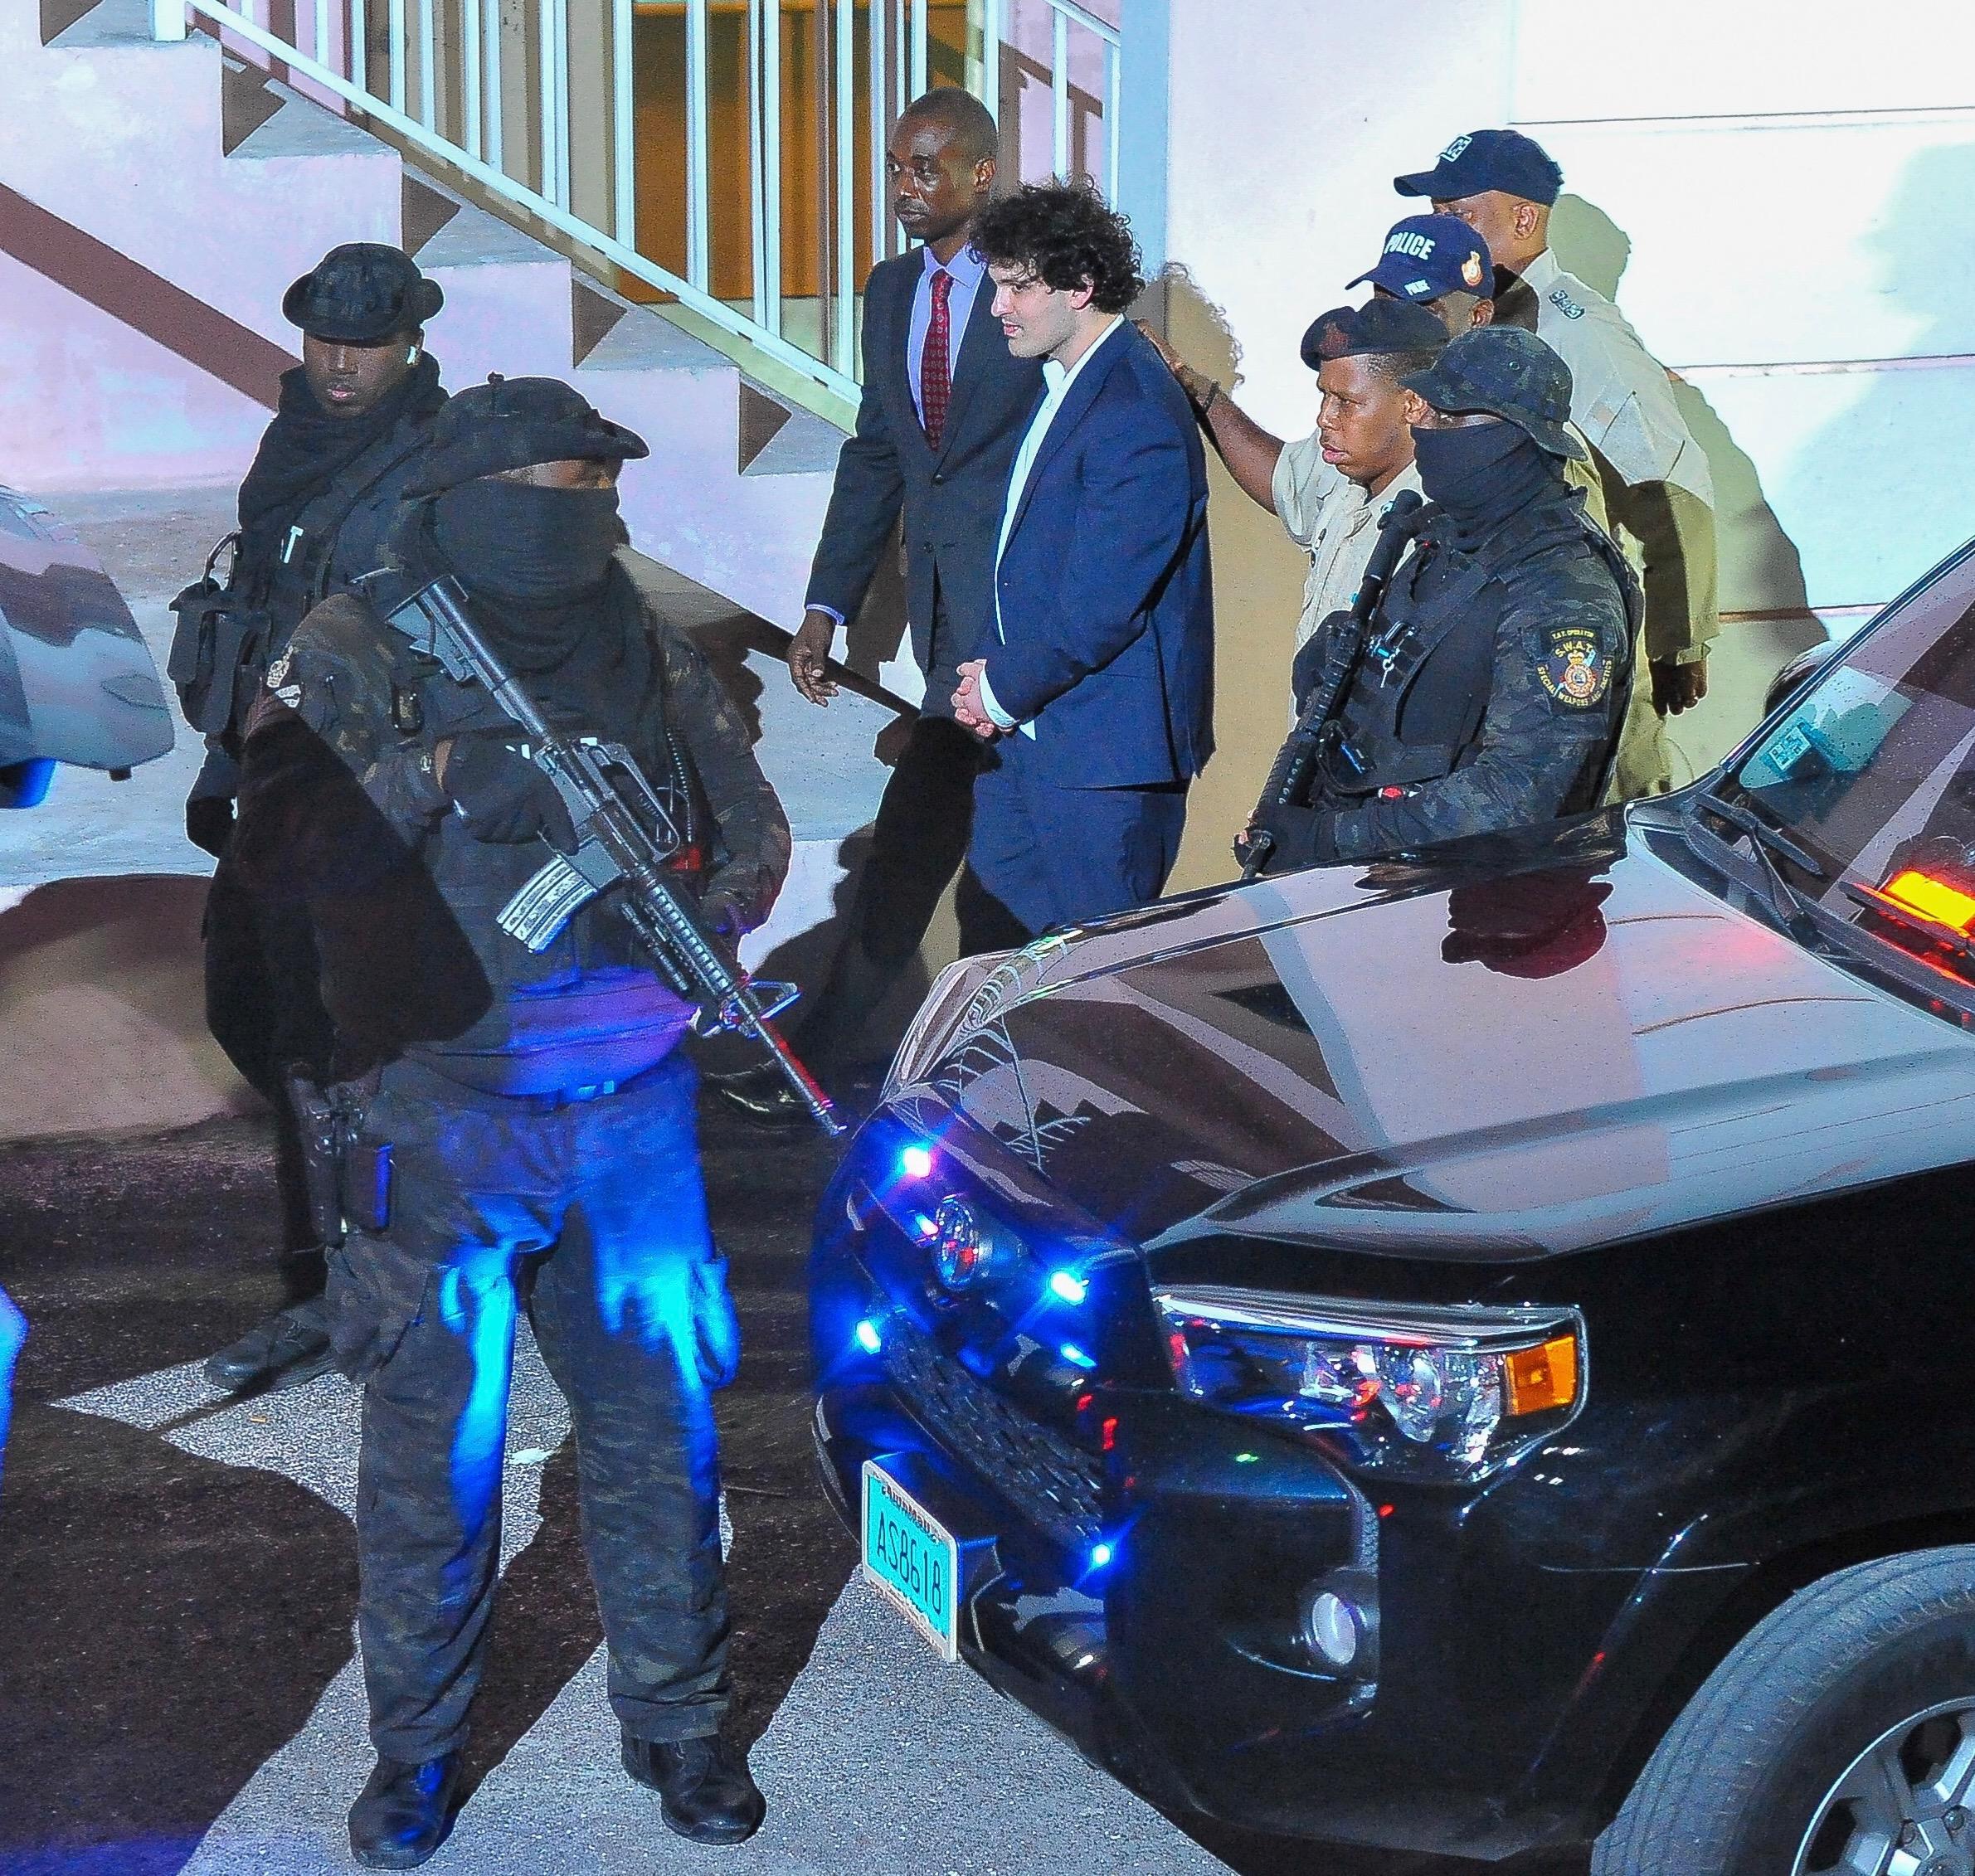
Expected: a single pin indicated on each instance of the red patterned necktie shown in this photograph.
(935, 376)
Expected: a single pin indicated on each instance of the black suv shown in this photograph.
(1466, 1352)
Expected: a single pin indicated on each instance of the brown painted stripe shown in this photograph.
(145, 302)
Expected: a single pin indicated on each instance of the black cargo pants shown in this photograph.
(264, 1009)
(592, 1216)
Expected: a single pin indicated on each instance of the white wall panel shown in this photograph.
(1824, 242)
(1713, 58)
(1865, 475)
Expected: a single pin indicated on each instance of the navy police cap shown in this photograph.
(1385, 325)
(1427, 255)
(1484, 160)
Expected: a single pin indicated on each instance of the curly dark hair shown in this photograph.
(1066, 235)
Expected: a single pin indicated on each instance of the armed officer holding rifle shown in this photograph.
(1485, 688)
(523, 1132)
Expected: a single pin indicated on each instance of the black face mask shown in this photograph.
(526, 546)
(1482, 474)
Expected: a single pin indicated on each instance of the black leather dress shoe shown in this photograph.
(290, 1347)
(705, 1790)
(762, 1095)
(405, 1812)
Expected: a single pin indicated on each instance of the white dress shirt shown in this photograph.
(1056, 380)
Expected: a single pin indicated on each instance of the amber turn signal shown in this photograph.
(1537, 1379)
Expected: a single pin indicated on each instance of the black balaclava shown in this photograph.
(516, 544)
(1482, 474)
(559, 611)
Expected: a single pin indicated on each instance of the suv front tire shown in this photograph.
(1837, 1739)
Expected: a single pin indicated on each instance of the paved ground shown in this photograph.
(176, 1572)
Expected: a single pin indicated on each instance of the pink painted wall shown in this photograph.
(81, 389)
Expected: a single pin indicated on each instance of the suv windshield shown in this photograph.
(1872, 773)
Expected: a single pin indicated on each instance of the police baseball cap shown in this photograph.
(1385, 325)
(1484, 160)
(362, 293)
(1508, 373)
(509, 423)
(1427, 255)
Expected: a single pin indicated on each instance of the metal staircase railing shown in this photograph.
(539, 104)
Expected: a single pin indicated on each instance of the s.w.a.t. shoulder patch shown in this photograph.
(1574, 669)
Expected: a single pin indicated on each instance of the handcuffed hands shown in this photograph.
(504, 798)
(969, 711)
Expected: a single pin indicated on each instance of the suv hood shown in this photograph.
(1526, 1045)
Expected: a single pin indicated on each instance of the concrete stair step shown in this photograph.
(109, 23)
(634, 339)
(509, 305)
(806, 445)
(297, 128)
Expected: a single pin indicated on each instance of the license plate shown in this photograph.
(912, 1559)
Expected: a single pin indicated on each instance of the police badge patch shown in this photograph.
(1572, 670)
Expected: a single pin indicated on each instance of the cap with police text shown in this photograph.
(509, 423)
(1427, 255)
(1484, 160)
(362, 293)
(1385, 325)
(1506, 372)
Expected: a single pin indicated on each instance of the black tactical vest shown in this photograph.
(590, 1009)
(1415, 710)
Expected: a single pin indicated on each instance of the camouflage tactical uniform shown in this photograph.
(541, 1135)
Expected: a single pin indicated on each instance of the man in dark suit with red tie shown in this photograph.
(945, 405)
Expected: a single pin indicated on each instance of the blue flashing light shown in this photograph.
(925, 1229)
(868, 1337)
(915, 1161)
(1101, 1555)
(1067, 1286)
(1075, 1356)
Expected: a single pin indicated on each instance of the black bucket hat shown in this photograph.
(509, 423)
(362, 293)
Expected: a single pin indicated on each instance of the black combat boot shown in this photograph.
(705, 1790)
(405, 1812)
(291, 1347)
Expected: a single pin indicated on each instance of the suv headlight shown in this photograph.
(1450, 1394)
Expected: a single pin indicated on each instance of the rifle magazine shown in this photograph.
(555, 894)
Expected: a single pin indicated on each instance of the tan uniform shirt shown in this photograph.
(1334, 520)
(1620, 397)
(1658, 485)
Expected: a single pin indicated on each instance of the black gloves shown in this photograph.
(1294, 832)
(504, 797)
(209, 823)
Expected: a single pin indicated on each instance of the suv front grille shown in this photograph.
(1048, 1480)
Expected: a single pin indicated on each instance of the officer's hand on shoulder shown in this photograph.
(504, 798)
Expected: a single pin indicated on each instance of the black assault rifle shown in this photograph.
(1344, 649)
(609, 803)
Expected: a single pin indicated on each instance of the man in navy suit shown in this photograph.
(1096, 691)
(945, 403)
